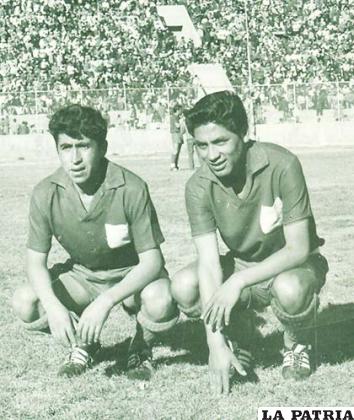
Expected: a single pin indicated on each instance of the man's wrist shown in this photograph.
(50, 302)
(238, 280)
(214, 339)
(107, 301)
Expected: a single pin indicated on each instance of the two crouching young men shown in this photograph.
(102, 215)
(254, 194)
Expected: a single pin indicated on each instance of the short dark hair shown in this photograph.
(76, 121)
(223, 108)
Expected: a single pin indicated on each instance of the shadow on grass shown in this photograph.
(332, 340)
(190, 336)
(334, 335)
(116, 354)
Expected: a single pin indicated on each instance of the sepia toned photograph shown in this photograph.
(176, 209)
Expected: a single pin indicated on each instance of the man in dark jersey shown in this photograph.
(103, 216)
(255, 196)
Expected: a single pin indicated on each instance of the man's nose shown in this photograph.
(76, 155)
(213, 152)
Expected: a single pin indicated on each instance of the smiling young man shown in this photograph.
(102, 215)
(254, 194)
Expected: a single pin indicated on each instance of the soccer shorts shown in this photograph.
(84, 285)
(259, 296)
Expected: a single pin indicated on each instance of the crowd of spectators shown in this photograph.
(94, 44)
(76, 45)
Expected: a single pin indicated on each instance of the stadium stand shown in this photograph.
(81, 46)
(91, 44)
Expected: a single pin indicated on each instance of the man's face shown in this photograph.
(220, 148)
(81, 159)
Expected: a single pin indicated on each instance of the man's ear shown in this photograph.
(246, 138)
(104, 147)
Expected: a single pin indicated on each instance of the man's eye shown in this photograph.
(201, 146)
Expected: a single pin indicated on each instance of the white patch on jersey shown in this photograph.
(271, 216)
(117, 235)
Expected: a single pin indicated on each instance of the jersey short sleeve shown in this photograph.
(40, 233)
(142, 218)
(294, 194)
(201, 217)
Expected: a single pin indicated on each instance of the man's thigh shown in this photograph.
(77, 286)
(70, 287)
(260, 295)
(313, 271)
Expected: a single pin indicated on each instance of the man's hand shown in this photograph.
(93, 318)
(61, 325)
(218, 310)
(221, 361)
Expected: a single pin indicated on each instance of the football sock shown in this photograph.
(296, 326)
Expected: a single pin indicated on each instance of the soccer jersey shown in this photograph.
(120, 223)
(274, 195)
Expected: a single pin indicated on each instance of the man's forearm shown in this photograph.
(210, 279)
(39, 278)
(282, 260)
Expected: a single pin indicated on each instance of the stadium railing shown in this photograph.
(134, 108)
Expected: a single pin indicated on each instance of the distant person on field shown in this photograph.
(189, 141)
(320, 101)
(103, 216)
(176, 135)
(23, 128)
(254, 194)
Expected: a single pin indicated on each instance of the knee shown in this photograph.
(25, 303)
(292, 291)
(156, 300)
(184, 287)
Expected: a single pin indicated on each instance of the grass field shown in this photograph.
(30, 388)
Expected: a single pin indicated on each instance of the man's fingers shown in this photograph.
(219, 319)
(91, 335)
(64, 338)
(60, 335)
(206, 312)
(212, 382)
(57, 335)
(83, 333)
(225, 382)
(227, 315)
(213, 316)
(97, 334)
(79, 328)
(218, 383)
(70, 333)
(237, 365)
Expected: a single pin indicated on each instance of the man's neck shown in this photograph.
(237, 180)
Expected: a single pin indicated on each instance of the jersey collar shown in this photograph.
(257, 158)
(114, 176)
